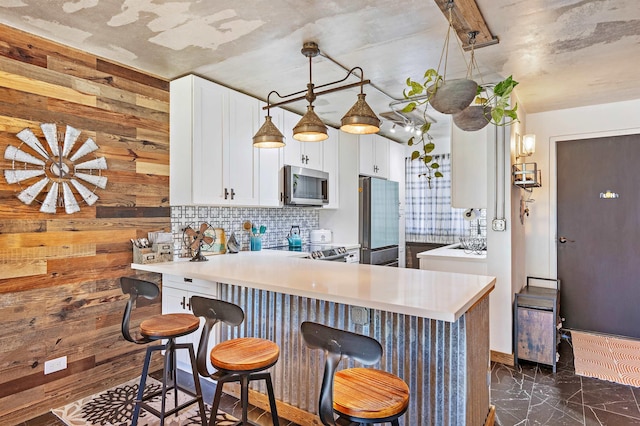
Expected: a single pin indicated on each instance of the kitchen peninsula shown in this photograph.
(433, 326)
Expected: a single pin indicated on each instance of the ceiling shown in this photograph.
(564, 53)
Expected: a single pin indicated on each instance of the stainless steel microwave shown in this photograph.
(305, 187)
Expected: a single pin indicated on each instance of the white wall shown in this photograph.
(499, 243)
(551, 127)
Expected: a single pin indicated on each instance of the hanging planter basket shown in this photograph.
(473, 118)
(452, 96)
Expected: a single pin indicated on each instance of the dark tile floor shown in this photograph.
(531, 394)
(526, 395)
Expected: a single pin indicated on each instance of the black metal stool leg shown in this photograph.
(141, 386)
(196, 384)
(166, 379)
(244, 397)
(216, 402)
(272, 401)
(272, 398)
(173, 372)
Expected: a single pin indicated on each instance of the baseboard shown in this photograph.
(502, 358)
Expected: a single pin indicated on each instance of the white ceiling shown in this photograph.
(564, 53)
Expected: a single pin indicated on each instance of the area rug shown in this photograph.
(606, 357)
(114, 407)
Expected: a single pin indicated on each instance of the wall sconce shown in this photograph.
(526, 145)
(526, 175)
(360, 119)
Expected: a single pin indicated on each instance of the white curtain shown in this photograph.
(429, 215)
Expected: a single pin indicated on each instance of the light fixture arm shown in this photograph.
(360, 119)
(360, 84)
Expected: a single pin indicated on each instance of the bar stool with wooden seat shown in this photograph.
(243, 359)
(362, 395)
(161, 327)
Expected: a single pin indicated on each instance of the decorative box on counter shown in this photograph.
(156, 253)
(157, 248)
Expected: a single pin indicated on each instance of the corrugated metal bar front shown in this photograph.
(429, 355)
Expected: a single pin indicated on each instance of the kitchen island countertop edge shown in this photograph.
(441, 296)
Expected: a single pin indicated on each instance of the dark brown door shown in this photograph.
(599, 234)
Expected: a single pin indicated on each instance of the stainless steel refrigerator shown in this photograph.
(379, 221)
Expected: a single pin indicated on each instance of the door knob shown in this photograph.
(563, 240)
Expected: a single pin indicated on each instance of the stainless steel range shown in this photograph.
(330, 252)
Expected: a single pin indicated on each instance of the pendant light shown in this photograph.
(310, 128)
(360, 119)
(268, 136)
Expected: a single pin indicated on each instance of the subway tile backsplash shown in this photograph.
(277, 220)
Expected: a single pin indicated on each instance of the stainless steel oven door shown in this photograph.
(387, 256)
(336, 258)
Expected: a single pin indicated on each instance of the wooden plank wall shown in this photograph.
(59, 288)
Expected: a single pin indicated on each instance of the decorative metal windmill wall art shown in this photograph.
(55, 174)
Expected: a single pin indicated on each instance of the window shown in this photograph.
(429, 215)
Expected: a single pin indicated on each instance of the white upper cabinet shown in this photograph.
(242, 159)
(271, 165)
(296, 153)
(212, 160)
(469, 168)
(374, 156)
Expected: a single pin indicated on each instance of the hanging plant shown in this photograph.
(456, 97)
(491, 105)
(500, 102)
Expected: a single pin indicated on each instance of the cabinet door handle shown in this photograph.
(302, 158)
(281, 196)
(183, 303)
(306, 159)
(233, 194)
(226, 194)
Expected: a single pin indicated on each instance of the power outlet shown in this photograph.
(499, 224)
(54, 365)
(359, 315)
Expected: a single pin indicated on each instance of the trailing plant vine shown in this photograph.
(497, 98)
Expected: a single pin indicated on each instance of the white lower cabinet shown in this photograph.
(353, 255)
(176, 294)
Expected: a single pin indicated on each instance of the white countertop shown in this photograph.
(454, 252)
(438, 295)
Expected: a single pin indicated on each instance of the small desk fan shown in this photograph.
(194, 239)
